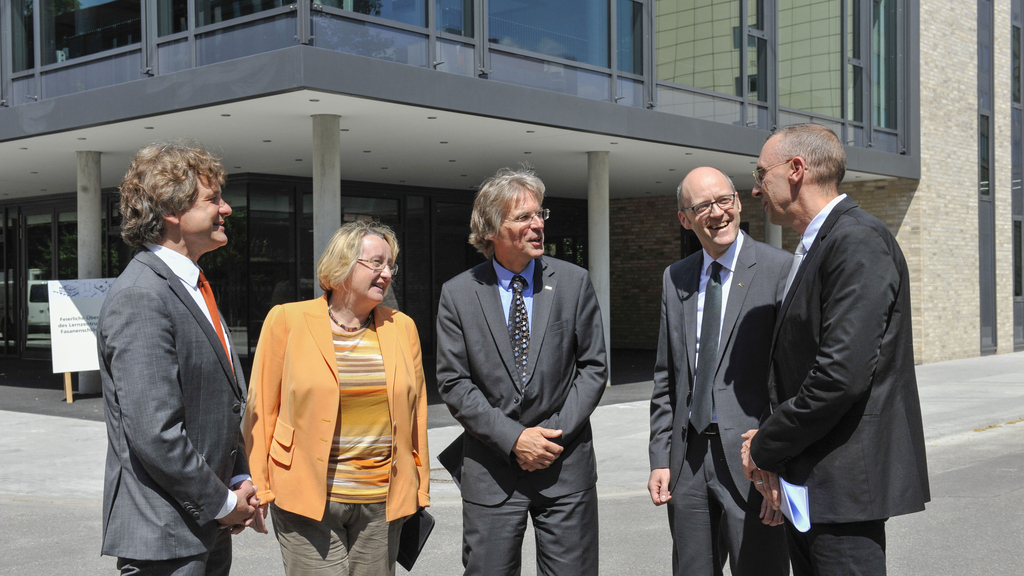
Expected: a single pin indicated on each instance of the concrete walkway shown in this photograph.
(51, 477)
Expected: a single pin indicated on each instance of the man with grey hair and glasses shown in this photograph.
(521, 365)
(846, 419)
(710, 385)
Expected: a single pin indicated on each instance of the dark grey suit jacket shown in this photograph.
(567, 372)
(741, 379)
(847, 418)
(173, 412)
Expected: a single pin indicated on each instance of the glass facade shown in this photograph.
(22, 35)
(171, 16)
(698, 44)
(214, 11)
(630, 35)
(810, 56)
(412, 12)
(574, 30)
(455, 17)
(76, 28)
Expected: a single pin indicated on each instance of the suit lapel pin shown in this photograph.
(740, 284)
(547, 288)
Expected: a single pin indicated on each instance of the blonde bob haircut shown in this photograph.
(335, 264)
(497, 195)
(163, 180)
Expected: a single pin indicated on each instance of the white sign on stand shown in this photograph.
(74, 312)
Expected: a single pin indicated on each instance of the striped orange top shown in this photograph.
(361, 454)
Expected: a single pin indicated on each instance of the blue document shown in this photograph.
(795, 505)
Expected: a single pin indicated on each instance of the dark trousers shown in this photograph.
(847, 549)
(711, 520)
(216, 562)
(566, 532)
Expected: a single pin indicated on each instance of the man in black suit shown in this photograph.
(521, 365)
(846, 418)
(711, 385)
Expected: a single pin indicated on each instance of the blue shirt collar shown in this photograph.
(505, 276)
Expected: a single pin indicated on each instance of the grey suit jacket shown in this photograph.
(741, 379)
(567, 372)
(173, 412)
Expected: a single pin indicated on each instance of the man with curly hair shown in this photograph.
(177, 483)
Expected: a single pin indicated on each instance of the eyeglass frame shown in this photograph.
(379, 266)
(760, 173)
(705, 206)
(543, 214)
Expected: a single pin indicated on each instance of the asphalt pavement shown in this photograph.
(52, 455)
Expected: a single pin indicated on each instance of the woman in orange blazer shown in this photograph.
(336, 419)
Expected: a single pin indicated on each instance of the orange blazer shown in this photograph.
(292, 409)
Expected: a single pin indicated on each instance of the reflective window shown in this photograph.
(883, 60)
(630, 36)
(171, 16)
(755, 14)
(75, 28)
(1015, 66)
(699, 44)
(455, 17)
(757, 69)
(22, 44)
(213, 11)
(412, 12)
(570, 29)
(810, 56)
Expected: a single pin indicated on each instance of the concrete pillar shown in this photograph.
(90, 239)
(772, 233)
(326, 184)
(598, 234)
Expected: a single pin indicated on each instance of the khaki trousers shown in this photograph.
(351, 540)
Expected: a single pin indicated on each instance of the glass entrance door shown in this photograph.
(50, 253)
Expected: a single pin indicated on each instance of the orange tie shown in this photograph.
(211, 305)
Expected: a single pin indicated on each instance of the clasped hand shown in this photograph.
(247, 512)
(534, 450)
(767, 483)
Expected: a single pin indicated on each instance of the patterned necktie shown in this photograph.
(519, 327)
(707, 360)
(211, 305)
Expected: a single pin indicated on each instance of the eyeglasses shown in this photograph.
(760, 173)
(543, 214)
(724, 203)
(378, 266)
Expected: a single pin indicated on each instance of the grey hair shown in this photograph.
(820, 147)
(496, 197)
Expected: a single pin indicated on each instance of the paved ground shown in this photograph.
(51, 467)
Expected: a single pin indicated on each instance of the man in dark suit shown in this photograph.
(846, 416)
(711, 385)
(521, 365)
(177, 483)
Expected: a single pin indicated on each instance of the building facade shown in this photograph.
(327, 110)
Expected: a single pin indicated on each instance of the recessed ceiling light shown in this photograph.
(81, 138)
(443, 142)
(613, 143)
(148, 127)
(658, 182)
(527, 152)
(22, 148)
(530, 131)
(401, 181)
(465, 175)
(344, 129)
(314, 99)
(266, 141)
(366, 151)
(431, 117)
(226, 115)
(298, 159)
(383, 167)
(238, 167)
(671, 169)
(451, 160)
(33, 172)
(689, 153)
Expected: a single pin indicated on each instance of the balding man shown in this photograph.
(718, 309)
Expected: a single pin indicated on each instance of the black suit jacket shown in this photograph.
(566, 375)
(173, 411)
(847, 418)
(741, 379)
